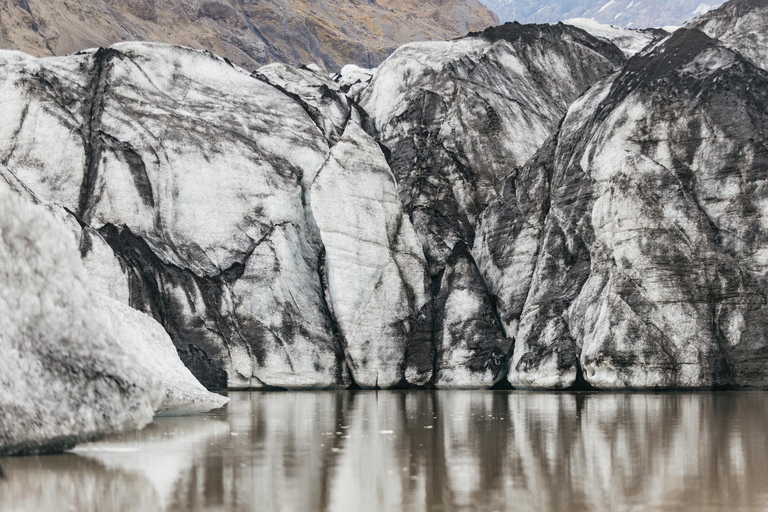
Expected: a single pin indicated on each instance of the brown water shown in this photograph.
(420, 451)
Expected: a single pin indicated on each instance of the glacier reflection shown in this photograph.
(421, 451)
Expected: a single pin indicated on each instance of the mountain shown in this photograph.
(329, 33)
(622, 13)
(630, 41)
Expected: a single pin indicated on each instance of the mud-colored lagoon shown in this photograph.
(420, 451)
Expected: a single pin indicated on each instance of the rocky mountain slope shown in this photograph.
(329, 33)
(526, 202)
(622, 13)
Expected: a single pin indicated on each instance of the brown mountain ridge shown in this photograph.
(250, 33)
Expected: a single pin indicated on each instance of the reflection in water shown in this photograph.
(420, 451)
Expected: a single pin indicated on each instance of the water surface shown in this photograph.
(420, 451)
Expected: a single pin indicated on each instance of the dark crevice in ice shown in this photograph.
(92, 138)
(340, 344)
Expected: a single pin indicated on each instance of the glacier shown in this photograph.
(536, 206)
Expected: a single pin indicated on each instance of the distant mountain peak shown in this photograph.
(330, 33)
(630, 41)
(620, 13)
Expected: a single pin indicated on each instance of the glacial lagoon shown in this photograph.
(420, 451)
